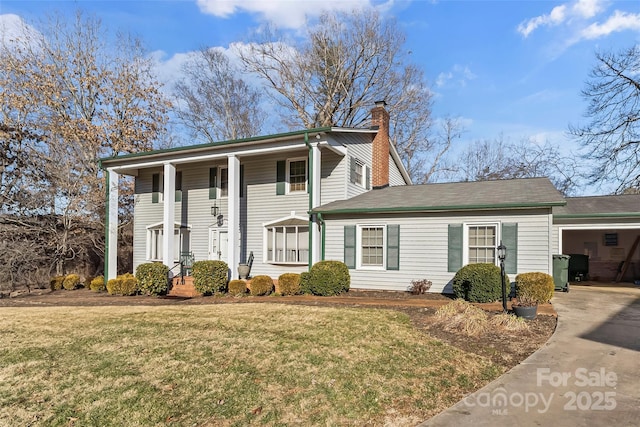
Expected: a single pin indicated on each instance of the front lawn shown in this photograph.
(224, 365)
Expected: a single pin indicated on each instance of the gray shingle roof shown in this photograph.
(505, 194)
(601, 205)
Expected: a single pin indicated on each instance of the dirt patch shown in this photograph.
(504, 348)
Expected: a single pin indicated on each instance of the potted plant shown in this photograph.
(526, 306)
(532, 289)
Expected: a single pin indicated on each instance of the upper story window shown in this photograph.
(297, 175)
(224, 182)
(359, 173)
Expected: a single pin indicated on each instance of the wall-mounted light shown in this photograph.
(214, 210)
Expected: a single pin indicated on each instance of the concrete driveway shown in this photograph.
(587, 374)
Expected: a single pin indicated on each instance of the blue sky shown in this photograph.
(504, 67)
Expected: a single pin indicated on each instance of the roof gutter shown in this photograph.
(437, 208)
(598, 215)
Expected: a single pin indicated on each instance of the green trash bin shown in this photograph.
(561, 272)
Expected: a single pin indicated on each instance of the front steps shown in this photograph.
(186, 290)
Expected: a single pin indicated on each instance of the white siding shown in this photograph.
(395, 177)
(359, 146)
(424, 245)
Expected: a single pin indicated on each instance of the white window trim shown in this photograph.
(288, 175)
(465, 238)
(160, 226)
(292, 220)
(363, 177)
(359, 265)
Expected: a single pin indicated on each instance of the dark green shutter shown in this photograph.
(455, 248)
(350, 246)
(393, 247)
(241, 180)
(510, 240)
(155, 188)
(213, 183)
(281, 177)
(178, 186)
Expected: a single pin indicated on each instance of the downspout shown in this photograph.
(310, 183)
(323, 229)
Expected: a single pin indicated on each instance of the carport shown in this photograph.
(603, 234)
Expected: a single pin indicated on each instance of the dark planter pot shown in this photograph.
(528, 312)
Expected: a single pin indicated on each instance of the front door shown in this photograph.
(218, 247)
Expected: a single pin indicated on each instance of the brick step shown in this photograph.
(186, 290)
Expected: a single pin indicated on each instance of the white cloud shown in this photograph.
(284, 13)
(556, 17)
(619, 21)
(588, 8)
(13, 29)
(566, 13)
(459, 75)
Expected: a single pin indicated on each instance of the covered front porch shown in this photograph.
(214, 212)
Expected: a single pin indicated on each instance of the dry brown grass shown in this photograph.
(235, 365)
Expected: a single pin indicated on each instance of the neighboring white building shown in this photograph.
(296, 198)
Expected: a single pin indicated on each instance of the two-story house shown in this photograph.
(228, 199)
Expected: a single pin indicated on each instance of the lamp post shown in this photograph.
(502, 255)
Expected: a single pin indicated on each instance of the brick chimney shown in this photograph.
(380, 156)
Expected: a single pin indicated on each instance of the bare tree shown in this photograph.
(214, 103)
(347, 62)
(487, 160)
(68, 99)
(612, 135)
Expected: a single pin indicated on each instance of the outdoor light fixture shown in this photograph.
(214, 210)
(502, 255)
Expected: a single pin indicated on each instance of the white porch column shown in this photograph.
(111, 270)
(315, 202)
(169, 214)
(233, 213)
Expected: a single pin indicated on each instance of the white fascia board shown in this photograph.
(199, 158)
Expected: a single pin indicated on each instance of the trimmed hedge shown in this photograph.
(210, 277)
(71, 282)
(237, 287)
(289, 284)
(153, 278)
(97, 284)
(56, 283)
(535, 287)
(478, 283)
(125, 284)
(327, 278)
(261, 285)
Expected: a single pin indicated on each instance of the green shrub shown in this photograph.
(71, 282)
(153, 278)
(261, 285)
(97, 284)
(125, 284)
(289, 284)
(237, 287)
(56, 283)
(478, 283)
(305, 276)
(535, 287)
(327, 278)
(210, 277)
